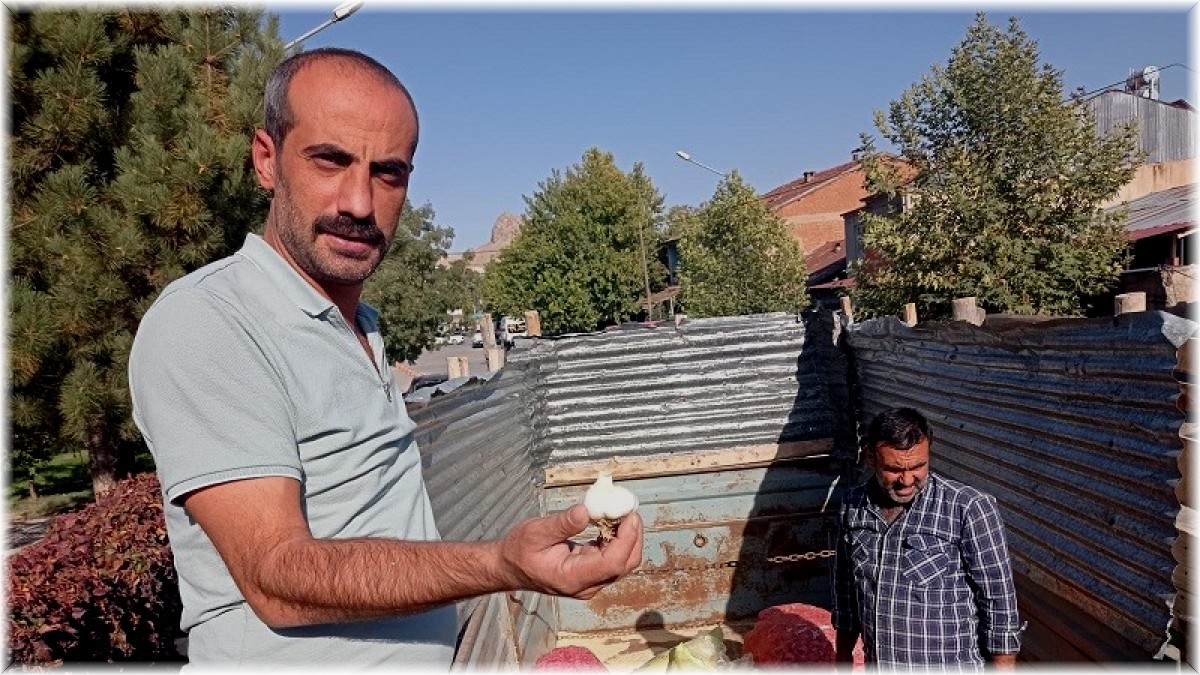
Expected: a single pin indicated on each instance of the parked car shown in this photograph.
(477, 339)
(511, 328)
(455, 339)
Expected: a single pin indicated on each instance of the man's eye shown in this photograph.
(392, 176)
(328, 161)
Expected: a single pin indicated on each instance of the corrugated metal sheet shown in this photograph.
(475, 437)
(1159, 212)
(1073, 426)
(707, 383)
(1188, 521)
(717, 547)
(1165, 131)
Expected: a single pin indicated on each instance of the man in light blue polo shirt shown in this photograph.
(296, 510)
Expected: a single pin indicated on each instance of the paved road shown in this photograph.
(433, 362)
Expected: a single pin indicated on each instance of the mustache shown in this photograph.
(351, 228)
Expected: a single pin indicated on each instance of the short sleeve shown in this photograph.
(206, 397)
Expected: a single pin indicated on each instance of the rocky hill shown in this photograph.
(504, 230)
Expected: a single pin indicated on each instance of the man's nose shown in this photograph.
(355, 198)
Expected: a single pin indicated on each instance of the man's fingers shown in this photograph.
(577, 570)
(627, 546)
(591, 591)
(563, 525)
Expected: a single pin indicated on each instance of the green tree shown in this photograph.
(129, 167)
(410, 290)
(1006, 194)
(578, 259)
(737, 257)
(461, 287)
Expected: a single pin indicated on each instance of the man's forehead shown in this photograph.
(338, 110)
(333, 82)
(315, 84)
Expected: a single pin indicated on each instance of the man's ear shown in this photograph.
(263, 153)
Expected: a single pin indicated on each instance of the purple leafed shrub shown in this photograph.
(99, 586)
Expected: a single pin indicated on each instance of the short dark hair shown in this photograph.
(900, 428)
(277, 113)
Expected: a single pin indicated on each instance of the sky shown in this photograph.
(507, 94)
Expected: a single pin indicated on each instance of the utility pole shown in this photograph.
(645, 272)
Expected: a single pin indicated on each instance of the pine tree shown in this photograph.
(1005, 201)
(129, 168)
(578, 259)
(737, 257)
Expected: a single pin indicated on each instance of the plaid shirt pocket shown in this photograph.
(926, 558)
(864, 546)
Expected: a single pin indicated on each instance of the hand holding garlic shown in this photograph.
(607, 504)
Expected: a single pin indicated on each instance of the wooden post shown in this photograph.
(1129, 302)
(495, 358)
(488, 329)
(847, 309)
(533, 323)
(910, 314)
(964, 309)
(457, 366)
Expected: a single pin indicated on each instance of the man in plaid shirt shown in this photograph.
(922, 570)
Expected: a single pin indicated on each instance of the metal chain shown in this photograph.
(794, 557)
(693, 568)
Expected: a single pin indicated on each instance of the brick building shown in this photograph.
(813, 204)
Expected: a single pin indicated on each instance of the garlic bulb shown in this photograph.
(607, 504)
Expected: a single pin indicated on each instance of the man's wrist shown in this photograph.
(501, 570)
(1004, 661)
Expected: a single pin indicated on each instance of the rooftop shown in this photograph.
(1161, 212)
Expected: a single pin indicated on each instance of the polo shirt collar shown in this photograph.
(293, 286)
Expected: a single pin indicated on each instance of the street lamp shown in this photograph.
(341, 12)
(688, 158)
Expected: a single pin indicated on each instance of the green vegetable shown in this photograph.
(703, 652)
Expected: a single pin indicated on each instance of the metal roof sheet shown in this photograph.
(1160, 212)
